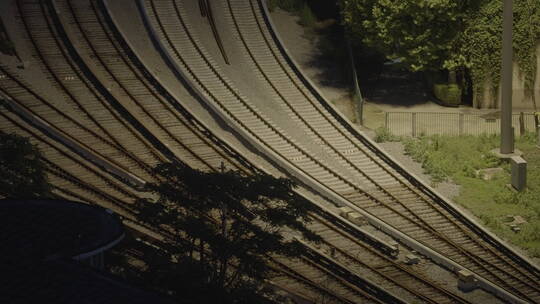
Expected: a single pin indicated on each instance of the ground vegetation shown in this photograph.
(458, 159)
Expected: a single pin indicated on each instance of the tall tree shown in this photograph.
(418, 33)
(23, 170)
(447, 35)
(224, 226)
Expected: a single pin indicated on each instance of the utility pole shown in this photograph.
(507, 132)
(359, 100)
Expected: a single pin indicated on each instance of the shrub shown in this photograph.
(287, 5)
(307, 18)
(448, 94)
(383, 135)
(446, 156)
(272, 4)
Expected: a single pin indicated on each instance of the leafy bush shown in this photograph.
(448, 94)
(383, 135)
(287, 5)
(272, 4)
(307, 18)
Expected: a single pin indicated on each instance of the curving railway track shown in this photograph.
(74, 176)
(80, 108)
(107, 102)
(330, 152)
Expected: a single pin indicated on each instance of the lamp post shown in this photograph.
(507, 132)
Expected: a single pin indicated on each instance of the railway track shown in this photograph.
(99, 50)
(394, 188)
(80, 108)
(512, 262)
(108, 79)
(79, 182)
(382, 268)
(68, 170)
(378, 187)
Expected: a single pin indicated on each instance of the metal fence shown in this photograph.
(430, 123)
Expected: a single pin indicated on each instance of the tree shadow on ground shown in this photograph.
(397, 87)
(330, 57)
(379, 83)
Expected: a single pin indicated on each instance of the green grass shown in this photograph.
(457, 158)
(382, 134)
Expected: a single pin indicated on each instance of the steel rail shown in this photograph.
(158, 150)
(421, 279)
(424, 189)
(225, 149)
(473, 238)
(72, 97)
(250, 109)
(120, 82)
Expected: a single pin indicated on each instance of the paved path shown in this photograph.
(390, 96)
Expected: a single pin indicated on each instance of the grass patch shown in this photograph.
(382, 134)
(456, 158)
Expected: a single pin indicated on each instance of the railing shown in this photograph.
(431, 123)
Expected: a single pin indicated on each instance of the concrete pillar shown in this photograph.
(519, 172)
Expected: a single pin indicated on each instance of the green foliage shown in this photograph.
(382, 134)
(418, 33)
(457, 158)
(272, 5)
(526, 37)
(22, 168)
(449, 94)
(287, 5)
(461, 36)
(225, 224)
(446, 157)
(480, 46)
(307, 18)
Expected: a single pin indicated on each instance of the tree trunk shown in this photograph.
(452, 79)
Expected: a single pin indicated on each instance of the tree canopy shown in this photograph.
(23, 169)
(446, 35)
(224, 226)
(417, 33)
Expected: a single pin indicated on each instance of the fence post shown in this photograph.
(413, 124)
(521, 124)
(536, 116)
(460, 132)
(386, 121)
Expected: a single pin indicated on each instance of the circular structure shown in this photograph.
(44, 230)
